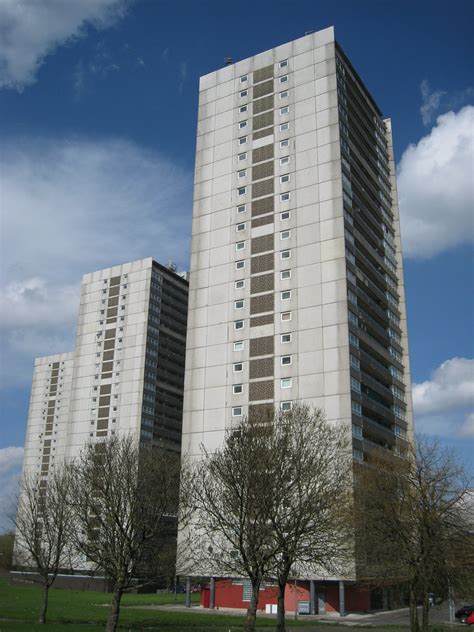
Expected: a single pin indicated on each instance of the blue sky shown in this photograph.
(98, 107)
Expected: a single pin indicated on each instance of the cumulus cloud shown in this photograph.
(435, 187)
(32, 30)
(72, 206)
(431, 102)
(11, 460)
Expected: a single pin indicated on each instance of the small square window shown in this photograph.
(283, 63)
(239, 265)
(240, 245)
(237, 411)
(285, 274)
(285, 143)
(238, 324)
(237, 389)
(285, 406)
(243, 156)
(240, 227)
(242, 140)
(285, 360)
(243, 93)
(241, 190)
(285, 234)
(239, 284)
(242, 173)
(285, 178)
(242, 124)
(243, 78)
(285, 338)
(284, 94)
(241, 208)
(285, 254)
(239, 304)
(239, 345)
(284, 127)
(285, 316)
(286, 295)
(285, 160)
(284, 197)
(286, 382)
(238, 367)
(283, 79)
(285, 215)
(243, 108)
(284, 110)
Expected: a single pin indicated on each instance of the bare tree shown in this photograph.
(125, 503)
(413, 523)
(44, 526)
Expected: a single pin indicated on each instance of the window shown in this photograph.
(283, 79)
(284, 94)
(236, 411)
(285, 254)
(284, 143)
(285, 338)
(240, 227)
(284, 127)
(243, 156)
(238, 367)
(285, 160)
(243, 93)
(285, 295)
(356, 431)
(285, 215)
(284, 110)
(239, 304)
(238, 324)
(237, 389)
(241, 208)
(353, 339)
(358, 455)
(286, 382)
(241, 190)
(240, 245)
(283, 63)
(285, 274)
(353, 318)
(284, 197)
(285, 316)
(355, 362)
(239, 265)
(242, 124)
(243, 78)
(239, 284)
(355, 385)
(285, 234)
(242, 173)
(356, 408)
(243, 108)
(285, 178)
(285, 406)
(239, 345)
(242, 140)
(285, 360)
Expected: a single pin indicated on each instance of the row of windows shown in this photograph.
(240, 303)
(284, 215)
(285, 360)
(284, 407)
(286, 382)
(239, 345)
(284, 275)
(243, 172)
(283, 127)
(243, 124)
(281, 64)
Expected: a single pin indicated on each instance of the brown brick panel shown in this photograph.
(264, 187)
(55, 365)
(263, 206)
(261, 390)
(261, 221)
(263, 89)
(262, 132)
(101, 433)
(105, 389)
(263, 367)
(102, 424)
(112, 312)
(104, 412)
(262, 120)
(263, 104)
(54, 380)
(107, 355)
(258, 321)
(262, 244)
(261, 346)
(105, 375)
(111, 320)
(263, 170)
(263, 73)
(109, 344)
(263, 153)
(50, 419)
(113, 302)
(262, 303)
(263, 412)
(261, 263)
(107, 366)
(109, 333)
(104, 400)
(115, 281)
(263, 283)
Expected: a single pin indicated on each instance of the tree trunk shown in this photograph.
(425, 611)
(281, 627)
(250, 619)
(114, 612)
(414, 625)
(44, 605)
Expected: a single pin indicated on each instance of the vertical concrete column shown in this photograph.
(212, 596)
(188, 592)
(342, 599)
(312, 596)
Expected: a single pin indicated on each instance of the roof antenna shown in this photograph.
(228, 61)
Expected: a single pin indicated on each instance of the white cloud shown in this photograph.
(467, 429)
(72, 206)
(435, 187)
(31, 30)
(11, 460)
(431, 102)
